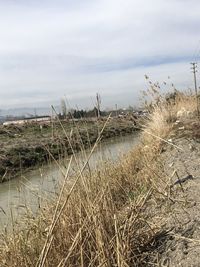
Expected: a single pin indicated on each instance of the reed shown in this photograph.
(102, 217)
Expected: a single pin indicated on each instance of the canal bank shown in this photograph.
(32, 145)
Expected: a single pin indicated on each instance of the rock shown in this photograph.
(183, 180)
(181, 128)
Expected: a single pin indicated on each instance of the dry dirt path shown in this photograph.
(179, 245)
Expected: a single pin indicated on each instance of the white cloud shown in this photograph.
(51, 48)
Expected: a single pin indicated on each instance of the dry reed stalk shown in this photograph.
(117, 242)
(102, 222)
(42, 257)
(55, 218)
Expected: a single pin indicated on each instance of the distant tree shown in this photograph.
(63, 108)
(130, 108)
(78, 114)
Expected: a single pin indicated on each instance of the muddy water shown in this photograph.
(30, 189)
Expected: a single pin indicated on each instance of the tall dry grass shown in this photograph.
(103, 217)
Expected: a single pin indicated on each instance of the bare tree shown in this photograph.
(63, 108)
(98, 103)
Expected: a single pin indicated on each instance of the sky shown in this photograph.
(74, 48)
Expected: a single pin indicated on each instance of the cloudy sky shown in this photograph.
(75, 48)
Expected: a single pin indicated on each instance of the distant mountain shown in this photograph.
(26, 112)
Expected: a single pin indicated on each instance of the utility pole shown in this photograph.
(98, 103)
(194, 70)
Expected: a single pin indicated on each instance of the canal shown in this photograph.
(29, 190)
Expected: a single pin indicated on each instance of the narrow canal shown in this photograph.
(30, 189)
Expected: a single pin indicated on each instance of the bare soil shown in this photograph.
(178, 243)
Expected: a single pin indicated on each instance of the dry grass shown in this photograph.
(102, 218)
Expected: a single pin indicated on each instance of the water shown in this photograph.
(30, 189)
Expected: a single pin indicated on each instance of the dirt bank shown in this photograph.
(23, 147)
(178, 243)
